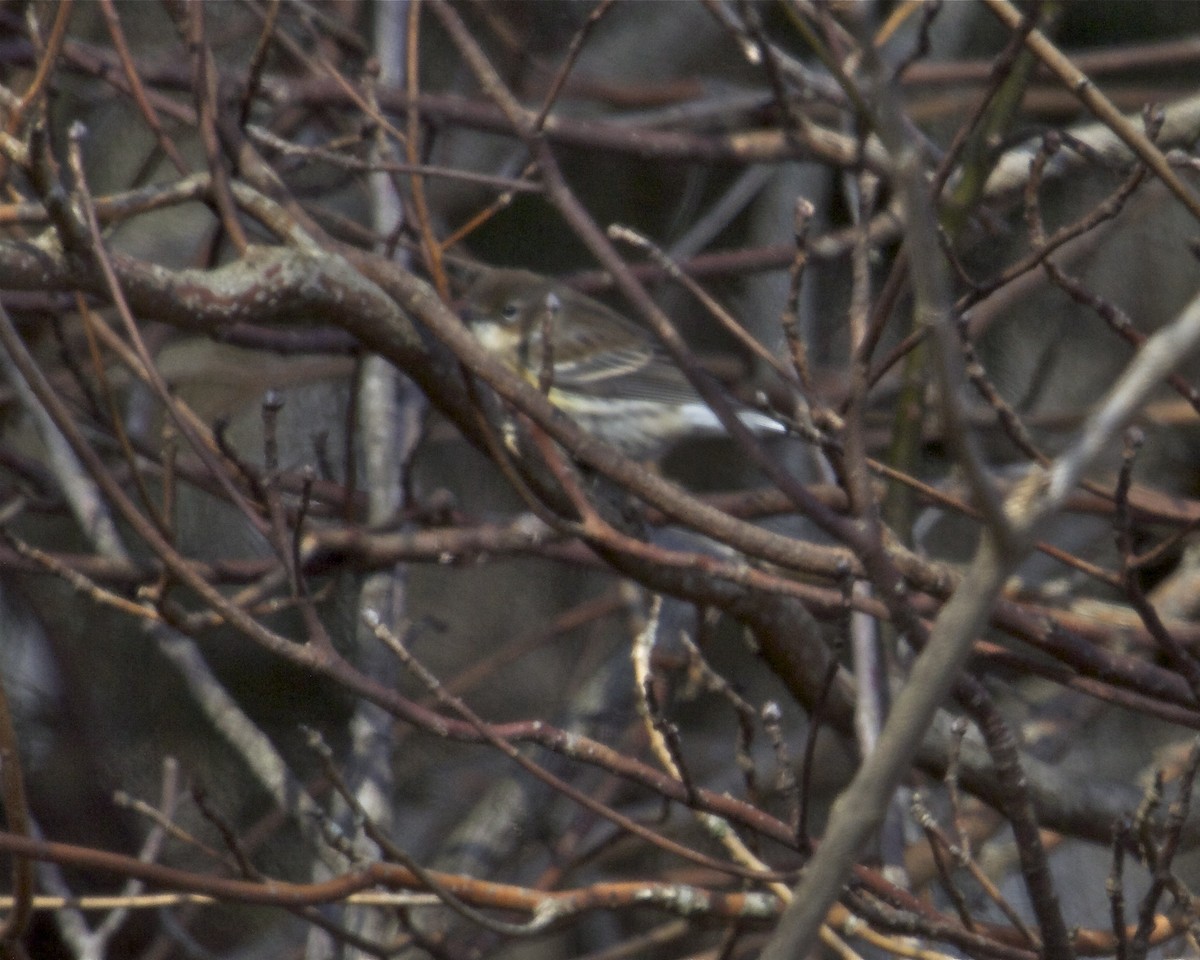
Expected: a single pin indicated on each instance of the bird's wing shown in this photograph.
(613, 357)
(641, 372)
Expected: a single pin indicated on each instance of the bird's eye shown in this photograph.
(509, 312)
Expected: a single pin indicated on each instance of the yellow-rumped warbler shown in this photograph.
(601, 369)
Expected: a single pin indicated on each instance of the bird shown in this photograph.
(600, 368)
